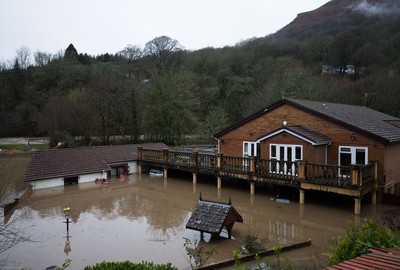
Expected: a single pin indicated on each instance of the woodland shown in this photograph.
(166, 93)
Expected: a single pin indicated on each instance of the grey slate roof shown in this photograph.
(63, 163)
(307, 133)
(379, 125)
(66, 162)
(127, 152)
(210, 216)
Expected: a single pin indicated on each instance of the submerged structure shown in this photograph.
(211, 217)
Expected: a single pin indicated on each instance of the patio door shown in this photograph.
(285, 156)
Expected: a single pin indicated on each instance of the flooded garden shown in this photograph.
(143, 218)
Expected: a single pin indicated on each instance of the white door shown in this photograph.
(287, 154)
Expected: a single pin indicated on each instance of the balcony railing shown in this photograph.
(300, 171)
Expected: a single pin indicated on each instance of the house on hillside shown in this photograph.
(64, 166)
(319, 133)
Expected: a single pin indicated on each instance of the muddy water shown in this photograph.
(143, 219)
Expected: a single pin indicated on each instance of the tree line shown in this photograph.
(166, 93)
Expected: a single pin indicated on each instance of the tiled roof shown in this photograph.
(365, 119)
(211, 216)
(382, 126)
(74, 161)
(64, 162)
(375, 259)
(311, 135)
(126, 152)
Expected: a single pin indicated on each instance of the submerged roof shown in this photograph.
(66, 162)
(211, 217)
(382, 126)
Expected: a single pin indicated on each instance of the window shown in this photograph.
(349, 155)
(251, 149)
(353, 155)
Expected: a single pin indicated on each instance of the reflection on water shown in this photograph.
(144, 218)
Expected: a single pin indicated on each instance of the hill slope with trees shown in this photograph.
(165, 92)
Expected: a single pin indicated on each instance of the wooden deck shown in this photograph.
(354, 180)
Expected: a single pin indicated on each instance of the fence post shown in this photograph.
(165, 152)
(194, 159)
(219, 161)
(252, 164)
(356, 174)
(139, 152)
(375, 175)
(302, 164)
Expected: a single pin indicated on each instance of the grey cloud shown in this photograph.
(376, 9)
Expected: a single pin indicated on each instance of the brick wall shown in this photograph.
(231, 143)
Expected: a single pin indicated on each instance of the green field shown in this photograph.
(24, 147)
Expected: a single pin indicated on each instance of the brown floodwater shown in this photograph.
(143, 218)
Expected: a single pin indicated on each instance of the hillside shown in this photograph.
(374, 18)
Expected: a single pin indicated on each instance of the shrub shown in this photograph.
(251, 243)
(357, 240)
(127, 265)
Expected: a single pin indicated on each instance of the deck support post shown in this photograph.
(357, 206)
(252, 188)
(219, 182)
(194, 178)
(301, 196)
(373, 197)
(139, 168)
(165, 173)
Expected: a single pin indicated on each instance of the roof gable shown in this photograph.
(301, 132)
(211, 217)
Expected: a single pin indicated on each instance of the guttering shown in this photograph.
(218, 147)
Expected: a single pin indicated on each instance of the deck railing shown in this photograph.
(302, 171)
(330, 175)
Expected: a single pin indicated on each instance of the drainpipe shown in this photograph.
(218, 145)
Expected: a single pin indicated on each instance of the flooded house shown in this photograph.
(320, 133)
(65, 166)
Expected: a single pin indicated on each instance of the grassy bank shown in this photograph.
(23, 147)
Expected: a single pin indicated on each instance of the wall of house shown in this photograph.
(393, 168)
(311, 153)
(132, 167)
(231, 142)
(90, 177)
(48, 183)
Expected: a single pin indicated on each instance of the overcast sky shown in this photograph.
(105, 26)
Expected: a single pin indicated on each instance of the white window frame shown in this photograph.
(353, 150)
(252, 146)
(293, 147)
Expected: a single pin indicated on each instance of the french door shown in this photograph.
(283, 157)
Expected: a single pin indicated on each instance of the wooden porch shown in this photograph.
(354, 180)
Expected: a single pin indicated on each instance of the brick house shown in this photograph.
(319, 133)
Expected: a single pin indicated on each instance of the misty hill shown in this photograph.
(374, 19)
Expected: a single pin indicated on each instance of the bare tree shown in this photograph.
(23, 57)
(131, 53)
(12, 228)
(162, 46)
(42, 58)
